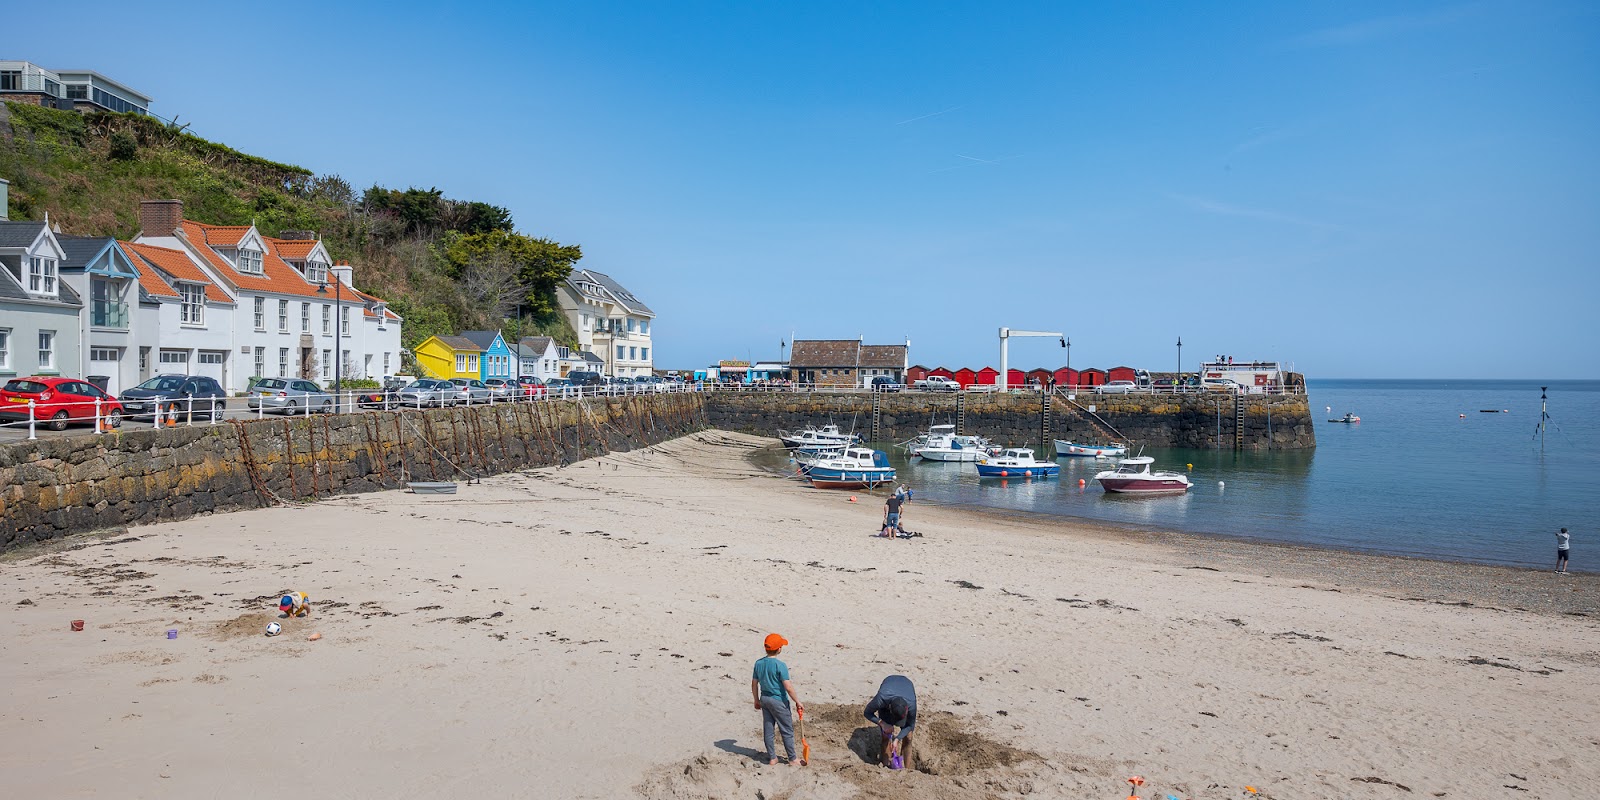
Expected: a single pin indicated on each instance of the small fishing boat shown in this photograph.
(857, 468)
(1016, 462)
(1348, 419)
(827, 435)
(431, 487)
(1066, 448)
(941, 443)
(1133, 476)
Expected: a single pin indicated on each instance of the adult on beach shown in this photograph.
(892, 511)
(894, 706)
(771, 689)
(1563, 549)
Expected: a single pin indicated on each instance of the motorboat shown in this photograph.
(814, 437)
(1348, 419)
(942, 443)
(1133, 476)
(857, 468)
(1016, 462)
(1066, 448)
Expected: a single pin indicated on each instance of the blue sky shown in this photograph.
(1362, 189)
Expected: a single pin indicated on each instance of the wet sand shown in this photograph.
(588, 632)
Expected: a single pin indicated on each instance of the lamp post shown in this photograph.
(338, 338)
(1177, 379)
(1068, 344)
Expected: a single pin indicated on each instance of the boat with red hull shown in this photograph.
(1133, 476)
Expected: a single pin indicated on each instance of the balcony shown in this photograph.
(108, 314)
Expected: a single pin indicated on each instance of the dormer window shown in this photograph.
(250, 261)
(42, 275)
(316, 272)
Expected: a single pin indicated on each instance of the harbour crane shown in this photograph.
(1005, 338)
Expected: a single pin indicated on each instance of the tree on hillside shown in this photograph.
(540, 264)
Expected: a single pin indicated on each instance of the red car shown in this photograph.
(527, 387)
(57, 401)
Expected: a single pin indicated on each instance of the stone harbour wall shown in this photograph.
(1152, 420)
(63, 485)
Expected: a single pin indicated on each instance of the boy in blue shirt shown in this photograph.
(771, 690)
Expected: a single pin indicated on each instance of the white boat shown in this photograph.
(1133, 476)
(857, 468)
(1016, 462)
(1066, 448)
(942, 443)
(827, 435)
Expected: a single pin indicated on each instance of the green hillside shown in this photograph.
(443, 264)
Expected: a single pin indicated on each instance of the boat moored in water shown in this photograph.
(857, 468)
(827, 435)
(942, 443)
(1348, 419)
(1066, 448)
(1133, 476)
(1016, 462)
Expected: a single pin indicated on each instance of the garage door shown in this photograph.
(210, 364)
(107, 361)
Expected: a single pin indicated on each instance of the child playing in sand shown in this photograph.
(771, 690)
(295, 604)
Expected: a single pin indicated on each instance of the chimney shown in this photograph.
(160, 217)
(344, 273)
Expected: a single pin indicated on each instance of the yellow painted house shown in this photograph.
(446, 357)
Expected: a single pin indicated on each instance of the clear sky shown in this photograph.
(1363, 189)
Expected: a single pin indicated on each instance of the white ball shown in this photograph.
(273, 629)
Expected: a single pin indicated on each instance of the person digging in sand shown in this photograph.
(891, 515)
(894, 706)
(295, 604)
(771, 690)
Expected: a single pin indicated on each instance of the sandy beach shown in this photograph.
(589, 632)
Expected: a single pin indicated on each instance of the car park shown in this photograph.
(288, 396)
(57, 402)
(186, 394)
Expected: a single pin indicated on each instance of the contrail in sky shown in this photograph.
(934, 114)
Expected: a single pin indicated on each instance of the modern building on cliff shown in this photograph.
(71, 89)
(610, 322)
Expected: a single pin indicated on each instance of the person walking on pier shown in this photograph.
(1563, 548)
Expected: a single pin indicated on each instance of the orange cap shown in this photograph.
(774, 641)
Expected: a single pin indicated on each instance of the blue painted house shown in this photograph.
(496, 361)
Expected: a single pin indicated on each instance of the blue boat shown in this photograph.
(858, 468)
(1016, 462)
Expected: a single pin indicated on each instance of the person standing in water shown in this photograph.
(1563, 549)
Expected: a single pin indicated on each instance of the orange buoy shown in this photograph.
(852, 498)
(1081, 483)
(1003, 474)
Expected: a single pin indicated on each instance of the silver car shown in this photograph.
(288, 396)
(426, 393)
(471, 391)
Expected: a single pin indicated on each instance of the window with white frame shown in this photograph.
(250, 261)
(327, 319)
(316, 272)
(461, 362)
(5, 348)
(644, 354)
(383, 316)
(283, 362)
(644, 327)
(386, 362)
(192, 306)
(261, 313)
(305, 317)
(472, 364)
(261, 362)
(327, 361)
(41, 275)
(179, 357)
(344, 319)
(366, 364)
(633, 353)
(620, 351)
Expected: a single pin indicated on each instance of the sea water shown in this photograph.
(1414, 477)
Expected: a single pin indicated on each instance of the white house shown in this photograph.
(100, 271)
(610, 322)
(39, 329)
(183, 322)
(288, 302)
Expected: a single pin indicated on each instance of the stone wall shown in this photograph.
(1148, 420)
(62, 485)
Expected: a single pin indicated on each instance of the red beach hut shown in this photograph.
(916, 373)
(1016, 378)
(966, 377)
(1121, 374)
(1040, 377)
(1066, 376)
(941, 372)
(988, 376)
(1092, 377)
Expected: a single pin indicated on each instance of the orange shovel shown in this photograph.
(805, 746)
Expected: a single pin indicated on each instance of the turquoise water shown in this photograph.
(1413, 478)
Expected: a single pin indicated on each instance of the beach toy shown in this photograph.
(852, 498)
(1250, 789)
(313, 637)
(273, 629)
(172, 633)
(77, 624)
(897, 762)
(1190, 466)
(1136, 780)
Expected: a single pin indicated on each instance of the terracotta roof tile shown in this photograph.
(277, 276)
(224, 235)
(174, 264)
(292, 248)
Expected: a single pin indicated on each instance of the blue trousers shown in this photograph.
(775, 713)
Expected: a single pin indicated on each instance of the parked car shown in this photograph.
(501, 388)
(426, 393)
(288, 396)
(471, 391)
(527, 388)
(204, 396)
(57, 401)
(884, 383)
(938, 383)
(586, 381)
(377, 398)
(1221, 385)
(1117, 387)
(558, 387)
